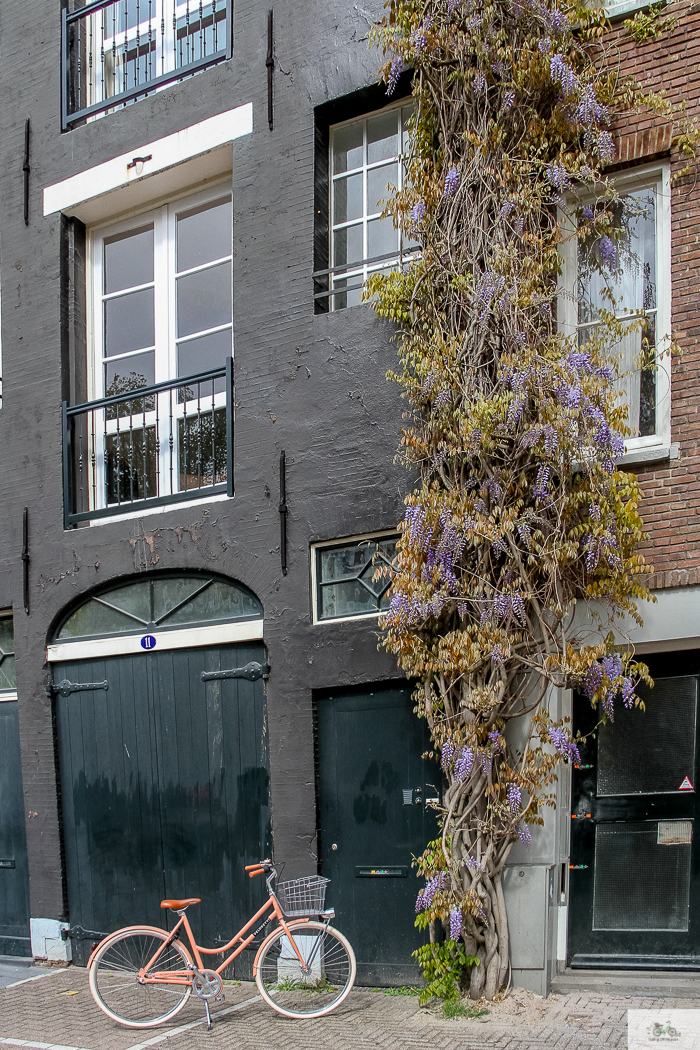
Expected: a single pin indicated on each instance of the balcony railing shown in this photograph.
(115, 51)
(148, 447)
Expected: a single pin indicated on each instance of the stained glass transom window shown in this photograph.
(161, 603)
(345, 584)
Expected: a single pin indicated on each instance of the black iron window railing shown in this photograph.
(150, 446)
(115, 51)
(342, 285)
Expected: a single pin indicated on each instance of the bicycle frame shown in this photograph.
(245, 938)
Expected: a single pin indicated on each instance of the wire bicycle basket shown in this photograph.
(305, 896)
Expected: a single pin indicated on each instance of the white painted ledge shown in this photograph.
(129, 644)
(192, 156)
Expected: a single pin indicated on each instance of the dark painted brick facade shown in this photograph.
(313, 386)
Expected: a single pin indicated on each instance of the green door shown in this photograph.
(164, 789)
(14, 875)
(373, 784)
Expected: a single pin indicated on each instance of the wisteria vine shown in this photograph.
(515, 426)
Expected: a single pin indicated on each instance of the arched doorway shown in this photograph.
(162, 753)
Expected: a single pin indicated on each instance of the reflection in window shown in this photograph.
(8, 681)
(365, 161)
(619, 276)
(344, 578)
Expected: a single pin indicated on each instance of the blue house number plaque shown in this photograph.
(148, 642)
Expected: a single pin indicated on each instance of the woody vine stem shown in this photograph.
(514, 424)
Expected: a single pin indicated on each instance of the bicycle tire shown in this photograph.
(282, 982)
(114, 969)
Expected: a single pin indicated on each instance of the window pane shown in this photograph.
(347, 246)
(7, 660)
(201, 442)
(134, 598)
(219, 601)
(129, 373)
(130, 466)
(382, 237)
(204, 299)
(129, 322)
(383, 136)
(630, 276)
(406, 114)
(347, 198)
(204, 235)
(345, 584)
(377, 181)
(199, 355)
(93, 619)
(128, 260)
(347, 147)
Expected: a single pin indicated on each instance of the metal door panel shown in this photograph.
(634, 894)
(14, 873)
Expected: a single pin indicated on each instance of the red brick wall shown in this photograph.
(671, 507)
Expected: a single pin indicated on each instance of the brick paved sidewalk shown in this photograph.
(57, 1011)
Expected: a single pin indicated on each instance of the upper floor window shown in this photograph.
(630, 277)
(118, 50)
(343, 577)
(365, 160)
(8, 681)
(159, 423)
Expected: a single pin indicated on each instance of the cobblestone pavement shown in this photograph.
(57, 1011)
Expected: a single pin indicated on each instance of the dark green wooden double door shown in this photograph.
(164, 783)
(14, 874)
(373, 784)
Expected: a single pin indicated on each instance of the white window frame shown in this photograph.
(385, 534)
(164, 218)
(364, 268)
(656, 177)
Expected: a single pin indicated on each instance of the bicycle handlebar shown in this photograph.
(262, 865)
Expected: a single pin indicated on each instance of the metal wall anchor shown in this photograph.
(65, 688)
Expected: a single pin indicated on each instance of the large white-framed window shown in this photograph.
(161, 299)
(365, 159)
(633, 279)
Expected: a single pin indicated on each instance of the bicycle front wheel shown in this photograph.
(318, 986)
(115, 970)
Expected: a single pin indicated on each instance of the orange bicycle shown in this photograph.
(142, 976)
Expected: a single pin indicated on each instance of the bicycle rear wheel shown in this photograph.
(316, 988)
(114, 973)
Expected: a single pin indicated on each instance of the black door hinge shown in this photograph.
(65, 688)
(77, 933)
(251, 671)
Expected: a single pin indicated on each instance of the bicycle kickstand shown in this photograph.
(206, 1007)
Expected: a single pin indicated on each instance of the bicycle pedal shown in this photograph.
(220, 998)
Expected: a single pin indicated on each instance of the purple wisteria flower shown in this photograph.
(589, 110)
(558, 176)
(394, 74)
(451, 4)
(463, 764)
(432, 886)
(545, 45)
(556, 20)
(498, 67)
(417, 212)
(592, 680)
(608, 252)
(479, 82)
(566, 747)
(524, 833)
(497, 654)
(508, 99)
(455, 923)
(562, 73)
(448, 750)
(451, 183)
(541, 489)
(514, 798)
(587, 214)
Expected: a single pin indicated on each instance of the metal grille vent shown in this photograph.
(640, 882)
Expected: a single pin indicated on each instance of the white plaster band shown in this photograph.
(129, 644)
